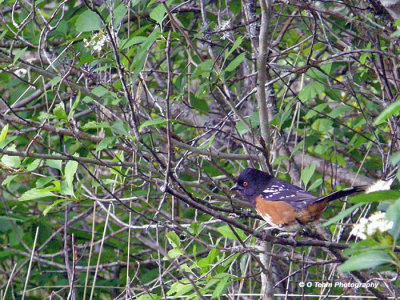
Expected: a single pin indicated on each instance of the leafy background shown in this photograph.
(124, 124)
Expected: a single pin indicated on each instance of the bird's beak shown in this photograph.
(236, 187)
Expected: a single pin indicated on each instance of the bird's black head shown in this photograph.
(251, 182)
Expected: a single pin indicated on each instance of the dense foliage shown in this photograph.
(124, 124)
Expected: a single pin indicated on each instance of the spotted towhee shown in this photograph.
(284, 205)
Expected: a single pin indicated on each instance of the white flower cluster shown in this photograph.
(367, 227)
(96, 42)
(380, 185)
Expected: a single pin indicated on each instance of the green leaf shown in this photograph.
(158, 13)
(149, 297)
(315, 184)
(342, 214)
(140, 57)
(392, 109)
(309, 141)
(244, 263)
(356, 142)
(211, 282)
(105, 143)
(74, 106)
(226, 231)
(395, 34)
(203, 69)
(317, 75)
(135, 2)
(56, 186)
(328, 68)
(173, 253)
(18, 54)
(364, 245)
(133, 41)
(87, 100)
(55, 81)
(59, 111)
(284, 116)
(95, 125)
(67, 189)
(209, 260)
(363, 57)
(100, 91)
(43, 181)
(198, 103)
(70, 170)
(8, 141)
(393, 214)
(119, 13)
(8, 180)
(236, 45)
(88, 21)
(307, 173)
(390, 195)
(5, 31)
(235, 6)
(120, 127)
(208, 144)
(395, 158)
(339, 111)
(309, 92)
(3, 133)
(33, 165)
(152, 123)
(56, 164)
(221, 286)
(51, 206)
(11, 219)
(11, 161)
(178, 289)
(322, 125)
(173, 239)
(253, 120)
(35, 193)
(333, 93)
(235, 63)
(313, 112)
(365, 260)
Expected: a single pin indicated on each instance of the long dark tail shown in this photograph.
(343, 193)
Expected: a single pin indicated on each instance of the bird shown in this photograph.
(283, 205)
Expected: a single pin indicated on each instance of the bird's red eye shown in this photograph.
(245, 184)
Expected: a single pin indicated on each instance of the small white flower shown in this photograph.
(380, 223)
(359, 229)
(98, 47)
(372, 228)
(21, 72)
(86, 42)
(377, 216)
(359, 232)
(385, 225)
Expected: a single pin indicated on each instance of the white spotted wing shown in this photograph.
(278, 190)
